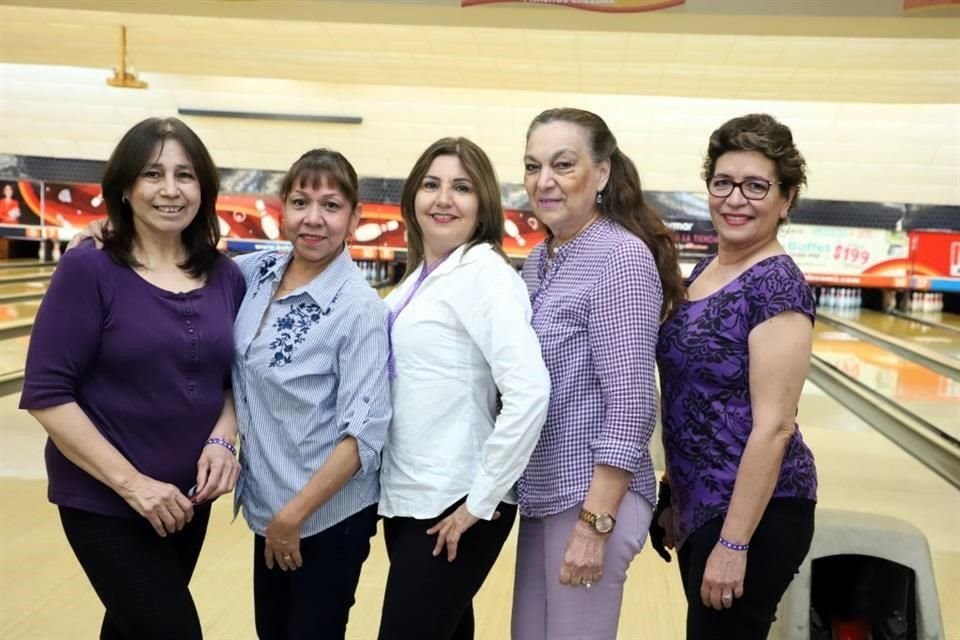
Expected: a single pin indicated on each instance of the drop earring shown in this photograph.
(599, 197)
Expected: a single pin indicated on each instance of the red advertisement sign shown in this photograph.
(935, 253)
(604, 6)
(927, 4)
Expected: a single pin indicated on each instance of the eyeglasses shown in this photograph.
(751, 188)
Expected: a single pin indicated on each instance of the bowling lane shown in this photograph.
(22, 275)
(925, 393)
(943, 341)
(942, 317)
(20, 290)
(19, 263)
(13, 355)
(17, 315)
(859, 469)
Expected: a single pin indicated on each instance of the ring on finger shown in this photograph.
(727, 597)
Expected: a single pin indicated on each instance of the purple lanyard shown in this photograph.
(427, 270)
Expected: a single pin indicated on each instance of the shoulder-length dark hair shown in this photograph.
(485, 184)
(138, 147)
(622, 199)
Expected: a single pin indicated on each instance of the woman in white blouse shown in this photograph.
(460, 335)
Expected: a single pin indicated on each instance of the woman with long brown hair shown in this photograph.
(600, 285)
(460, 332)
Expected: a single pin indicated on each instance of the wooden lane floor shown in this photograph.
(23, 275)
(16, 318)
(18, 291)
(859, 470)
(13, 355)
(943, 341)
(925, 393)
(21, 263)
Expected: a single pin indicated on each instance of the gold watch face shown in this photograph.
(604, 523)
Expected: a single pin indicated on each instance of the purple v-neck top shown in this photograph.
(148, 367)
(704, 359)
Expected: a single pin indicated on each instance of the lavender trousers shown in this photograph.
(545, 609)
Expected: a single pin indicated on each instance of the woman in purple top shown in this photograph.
(129, 372)
(600, 285)
(733, 358)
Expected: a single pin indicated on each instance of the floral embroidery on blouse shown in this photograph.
(292, 329)
(264, 269)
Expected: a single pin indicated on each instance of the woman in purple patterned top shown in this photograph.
(600, 285)
(733, 359)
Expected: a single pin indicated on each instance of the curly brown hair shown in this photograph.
(765, 134)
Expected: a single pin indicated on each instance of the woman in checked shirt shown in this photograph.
(599, 285)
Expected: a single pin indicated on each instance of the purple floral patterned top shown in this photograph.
(704, 374)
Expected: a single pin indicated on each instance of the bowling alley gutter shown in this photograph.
(11, 382)
(922, 440)
(922, 356)
(927, 321)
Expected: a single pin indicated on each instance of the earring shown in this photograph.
(124, 200)
(599, 197)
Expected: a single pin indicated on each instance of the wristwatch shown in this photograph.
(603, 523)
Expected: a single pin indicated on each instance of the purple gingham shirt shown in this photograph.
(596, 310)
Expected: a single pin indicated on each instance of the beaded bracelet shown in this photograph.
(223, 442)
(734, 545)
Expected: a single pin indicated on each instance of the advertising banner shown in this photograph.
(605, 6)
(928, 4)
(848, 256)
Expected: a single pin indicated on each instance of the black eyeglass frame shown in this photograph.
(739, 185)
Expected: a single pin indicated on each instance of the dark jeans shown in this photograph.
(777, 550)
(314, 601)
(141, 579)
(428, 598)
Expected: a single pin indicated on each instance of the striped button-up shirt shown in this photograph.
(310, 368)
(596, 310)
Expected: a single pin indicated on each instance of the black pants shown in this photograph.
(314, 601)
(777, 550)
(141, 579)
(428, 598)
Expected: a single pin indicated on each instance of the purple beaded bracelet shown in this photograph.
(223, 443)
(733, 545)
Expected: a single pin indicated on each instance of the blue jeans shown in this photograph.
(314, 601)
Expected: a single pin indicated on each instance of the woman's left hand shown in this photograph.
(450, 529)
(282, 544)
(217, 473)
(723, 577)
(583, 557)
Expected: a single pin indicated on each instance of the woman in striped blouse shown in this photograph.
(312, 398)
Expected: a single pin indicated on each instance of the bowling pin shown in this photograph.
(370, 231)
(270, 227)
(511, 228)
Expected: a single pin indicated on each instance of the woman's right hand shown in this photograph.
(93, 230)
(162, 504)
